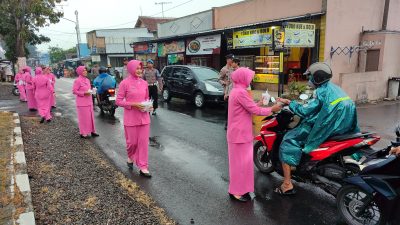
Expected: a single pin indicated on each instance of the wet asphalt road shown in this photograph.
(189, 162)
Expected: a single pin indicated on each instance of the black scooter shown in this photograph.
(373, 196)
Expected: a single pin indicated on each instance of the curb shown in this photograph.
(20, 177)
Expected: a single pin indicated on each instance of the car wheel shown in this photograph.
(166, 94)
(199, 99)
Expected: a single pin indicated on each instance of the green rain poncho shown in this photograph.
(330, 113)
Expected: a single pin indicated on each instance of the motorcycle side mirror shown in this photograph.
(303, 97)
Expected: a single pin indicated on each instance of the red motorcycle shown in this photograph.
(335, 159)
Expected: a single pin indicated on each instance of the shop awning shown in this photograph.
(218, 31)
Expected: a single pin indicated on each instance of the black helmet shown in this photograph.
(102, 69)
(319, 72)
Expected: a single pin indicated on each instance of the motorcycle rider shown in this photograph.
(331, 112)
(103, 82)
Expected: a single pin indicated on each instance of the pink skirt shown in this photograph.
(241, 168)
(85, 120)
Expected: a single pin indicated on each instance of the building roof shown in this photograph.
(151, 22)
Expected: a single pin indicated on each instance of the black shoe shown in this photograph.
(48, 121)
(243, 198)
(130, 165)
(154, 113)
(32, 110)
(42, 120)
(147, 175)
(54, 107)
(84, 137)
(95, 134)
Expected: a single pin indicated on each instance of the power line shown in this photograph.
(184, 3)
(162, 6)
(173, 7)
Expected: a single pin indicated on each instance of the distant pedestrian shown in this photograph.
(52, 78)
(84, 104)
(225, 80)
(43, 90)
(20, 81)
(29, 88)
(133, 90)
(125, 72)
(154, 80)
(240, 134)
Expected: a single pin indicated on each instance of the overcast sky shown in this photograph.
(100, 14)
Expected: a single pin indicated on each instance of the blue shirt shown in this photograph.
(103, 82)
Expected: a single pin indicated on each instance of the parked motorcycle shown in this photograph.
(327, 166)
(372, 196)
(106, 101)
(15, 90)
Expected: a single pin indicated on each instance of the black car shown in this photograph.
(197, 83)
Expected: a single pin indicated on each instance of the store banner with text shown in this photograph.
(252, 38)
(170, 48)
(300, 35)
(205, 45)
(145, 48)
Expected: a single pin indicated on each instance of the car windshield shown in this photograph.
(206, 73)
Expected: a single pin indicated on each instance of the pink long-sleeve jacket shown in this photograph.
(28, 78)
(80, 87)
(241, 107)
(41, 84)
(133, 90)
(19, 78)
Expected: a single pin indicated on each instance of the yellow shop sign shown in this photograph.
(252, 38)
(266, 78)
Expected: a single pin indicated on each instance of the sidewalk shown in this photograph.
(15, 192)
(70, 179)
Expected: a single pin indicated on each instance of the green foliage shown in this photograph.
(295, 87)
(57, 54)
(20, 21)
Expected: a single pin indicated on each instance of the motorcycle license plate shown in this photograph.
(111, 98)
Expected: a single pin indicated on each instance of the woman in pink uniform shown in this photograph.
(133, 90)
(43, 89)
(30, 93)
(52, 78)
(84, 104)
(20, 81)
(241, 107)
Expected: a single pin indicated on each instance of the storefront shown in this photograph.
(259, 48)
(171, 53)
(145, 51)
(204, 51)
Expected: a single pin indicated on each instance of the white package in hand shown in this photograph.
(147, 105)
(266, 97)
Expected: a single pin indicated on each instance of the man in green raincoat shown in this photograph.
(331, 112)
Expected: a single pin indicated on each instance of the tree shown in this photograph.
(21, 19)
(56, 54)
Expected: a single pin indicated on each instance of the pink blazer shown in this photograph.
(42, 86)
(241, 107)
(28, 80)
(133, 89)
(82, 85)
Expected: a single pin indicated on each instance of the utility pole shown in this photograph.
(78, 35)
(162, 6)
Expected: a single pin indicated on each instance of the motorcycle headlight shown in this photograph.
(211, 88)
